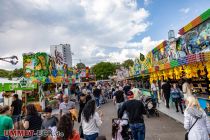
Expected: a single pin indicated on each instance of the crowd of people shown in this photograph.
(130, 106)
(130, 109)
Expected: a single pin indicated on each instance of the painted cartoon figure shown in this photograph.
(181, 47)
(172, 50)
(204, 37)
(192, 44)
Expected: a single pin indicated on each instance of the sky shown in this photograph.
(97, 30)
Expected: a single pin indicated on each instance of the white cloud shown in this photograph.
(147, 2)
(134, 49)
(184, 10)
(93, 29)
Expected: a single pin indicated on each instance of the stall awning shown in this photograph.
(17, 86)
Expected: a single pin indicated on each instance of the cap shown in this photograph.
(130, 95)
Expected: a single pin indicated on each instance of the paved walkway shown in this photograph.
(162, 128)
(178, 116)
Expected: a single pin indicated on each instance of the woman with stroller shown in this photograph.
(176, 95)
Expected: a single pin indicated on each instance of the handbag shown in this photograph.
(81, 132)
(186, 134)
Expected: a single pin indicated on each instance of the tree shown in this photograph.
(81, 66)
(128, 63)
(17, 73)
(4, 73)
(103, 70)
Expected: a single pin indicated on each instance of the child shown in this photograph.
(116, 130)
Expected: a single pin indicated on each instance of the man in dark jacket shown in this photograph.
(96, 94)
(16, 108)
(118, 99)
(135, 110)
(166, 87)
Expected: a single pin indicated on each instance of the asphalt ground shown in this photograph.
(157, 128)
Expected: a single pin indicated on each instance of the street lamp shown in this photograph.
(13, 59)
(102, 76)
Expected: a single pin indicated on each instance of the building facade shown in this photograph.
(64, 50)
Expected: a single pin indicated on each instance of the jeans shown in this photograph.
(155, 96)
(167, 97)
(91, 137)
(138, 131)
(119, 105)
(97, 99)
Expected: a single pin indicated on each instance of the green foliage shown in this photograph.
(17, 73)
(103, 70)
(81, 66)
(128, 63)
(10, 74)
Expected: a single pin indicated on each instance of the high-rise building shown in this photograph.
(64, 50)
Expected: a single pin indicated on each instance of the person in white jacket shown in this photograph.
(91, 121)
(201, 129)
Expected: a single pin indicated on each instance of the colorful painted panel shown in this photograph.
(195, 41)
(203, 17)
(36, 66)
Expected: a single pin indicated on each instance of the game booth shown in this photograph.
(186, 57)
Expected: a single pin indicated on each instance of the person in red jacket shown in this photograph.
(66, 127)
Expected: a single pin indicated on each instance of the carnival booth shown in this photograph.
(186, 57)
(51, 75)
(19, 87)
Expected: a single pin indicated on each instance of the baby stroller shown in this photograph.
(150, 106)
(121, 130)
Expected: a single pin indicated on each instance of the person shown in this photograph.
(126, 88)
(166, 87)
(78, 93)
(66, 105)
(154, 90)
(6, 123)
(176, 97)
(97, 94)
(66, 127)
(60, 96)
(118, 99)
(16, 108)
(83, 100)
(91, 121)
(195, 115)
(135, 110)
(33, 121)
(136, 93)
(117, 131)
(49, 122)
